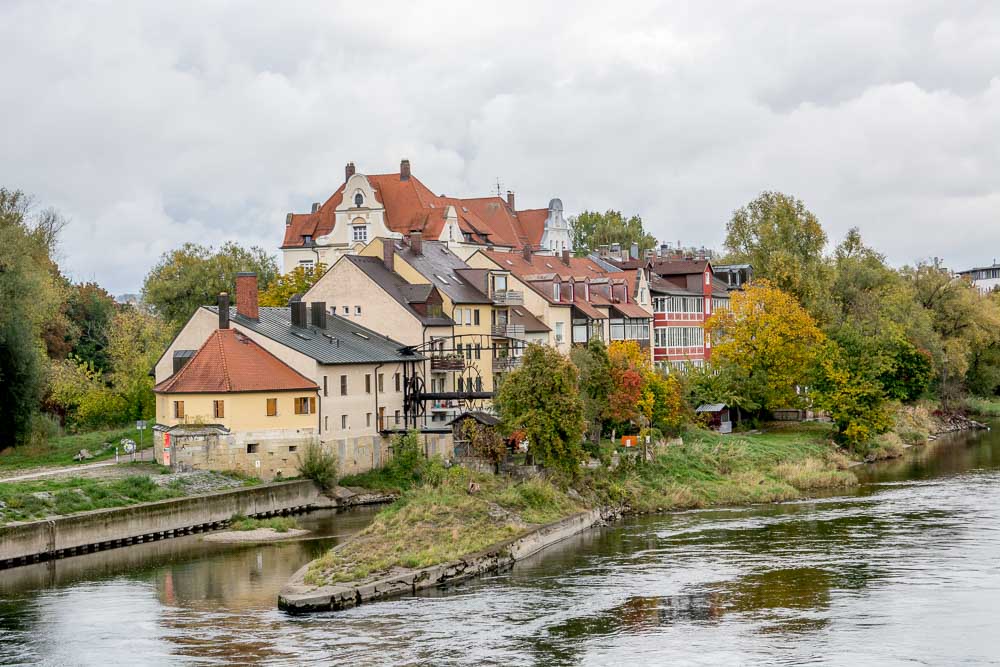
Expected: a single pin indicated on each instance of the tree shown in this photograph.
(770, 340)
(542, 399)
(484, 442)
(90, 309)
(193, 275)
(784, 242)
(855, 403)
(136, 339)
(594, 368)
(629, 364)
(662, 403)
(296, 281)
(592, 230)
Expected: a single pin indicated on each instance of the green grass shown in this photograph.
(279, 524)
(78, 494)
(60, 450)
(988, 407)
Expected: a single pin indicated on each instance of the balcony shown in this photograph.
(451, 362)
(508, 330)
(506, 363)
(444, 406)
(508, 297)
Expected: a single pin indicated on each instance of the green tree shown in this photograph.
(542, 399)
(855, 403)
(296, 281)
(595, 383)
(592, 229)
(90, 309)
(784, 242)
(136, 339)
(193, 275)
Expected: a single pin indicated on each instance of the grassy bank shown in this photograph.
(60, 450)
(987, 407)
(437, 520)
(279, 524)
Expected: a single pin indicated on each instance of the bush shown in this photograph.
(319, 465)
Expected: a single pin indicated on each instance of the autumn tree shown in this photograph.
(296, 281)
(784, 242)
(592, 230)
(629, 363)
(542, 399)
(855, 402)
(136, 339)
(193, 275)
(770, 339)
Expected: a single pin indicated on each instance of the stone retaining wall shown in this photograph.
(299, 597)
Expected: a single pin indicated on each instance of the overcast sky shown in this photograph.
(151, 125)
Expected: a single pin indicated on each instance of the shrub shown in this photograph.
(319, 465)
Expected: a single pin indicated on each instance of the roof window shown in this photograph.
(360, 335)
(442, 279)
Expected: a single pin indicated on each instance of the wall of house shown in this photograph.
(275, 451)
(242, 411)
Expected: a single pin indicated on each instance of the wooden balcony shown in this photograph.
(451, 362)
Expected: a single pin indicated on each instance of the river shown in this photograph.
(903, 570)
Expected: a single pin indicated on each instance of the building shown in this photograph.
(363, 376)
(235, 406)
(735, 276)
(372, 206)
(984, 278)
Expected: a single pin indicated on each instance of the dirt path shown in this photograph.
(98, 469)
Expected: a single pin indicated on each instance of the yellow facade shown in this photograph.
(242, 411)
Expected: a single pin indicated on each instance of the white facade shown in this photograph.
(985, 279)
(557, 235)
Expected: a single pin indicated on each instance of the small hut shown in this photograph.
(458, 428)
(718, 416)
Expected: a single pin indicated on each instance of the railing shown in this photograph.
(448, 363)
(508, 297)
(508, 330)
(506, 363)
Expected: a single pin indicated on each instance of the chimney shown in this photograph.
(288, 219)
(526, 252)
(246, 295)
(565, 257)
(319, 314)
(299, 314)
(634, 251)
(510, 200)
(348, 171)
(388, 253)
(404, 170)
(417, 242)
(223, 310)
(315, 206)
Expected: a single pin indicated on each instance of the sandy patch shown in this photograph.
(256, 535)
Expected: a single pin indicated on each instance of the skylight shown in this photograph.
(509, 262)
(360, 335)
(442, 279)
(456, 279)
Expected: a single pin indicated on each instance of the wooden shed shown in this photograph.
(718, 416)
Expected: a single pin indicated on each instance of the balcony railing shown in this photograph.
(448, 363)
(508, 330)
(508, 297)
(506, 363)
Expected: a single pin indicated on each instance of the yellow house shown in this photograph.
(235, 406)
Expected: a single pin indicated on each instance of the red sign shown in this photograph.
(166, 449)
(630, 440)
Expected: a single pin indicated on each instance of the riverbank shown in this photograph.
(457, 521)
(59, 450)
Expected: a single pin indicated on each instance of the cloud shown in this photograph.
(154, 124)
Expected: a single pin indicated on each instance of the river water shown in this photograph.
(903, 570)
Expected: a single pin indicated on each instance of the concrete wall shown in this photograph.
(103, 528)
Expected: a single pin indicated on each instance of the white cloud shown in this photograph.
(154, 124)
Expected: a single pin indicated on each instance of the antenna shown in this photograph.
(499, 187)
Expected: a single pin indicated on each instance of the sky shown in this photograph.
(151, 124)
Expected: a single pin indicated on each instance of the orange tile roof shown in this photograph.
(411, 205)
(230, 362)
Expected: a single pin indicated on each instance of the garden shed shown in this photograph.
(718, 416)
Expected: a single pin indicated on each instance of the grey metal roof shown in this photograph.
(711, 407)
(342, 342)
(396, 287)
(438, 264)
(484, 418)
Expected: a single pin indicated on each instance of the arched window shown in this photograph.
(359, 200)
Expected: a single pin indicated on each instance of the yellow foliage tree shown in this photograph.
(771, 339)
(296, 281)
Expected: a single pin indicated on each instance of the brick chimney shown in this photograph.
(223, 310)
(526, 252)
(565, 257)
(288, 220)
(319, 314)
(388, 253)
(246, 295)
(299, 317)
(510, 200)
(417, 242)
(348, 171)
(404, 170)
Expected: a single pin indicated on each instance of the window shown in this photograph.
(499, 283)
(325, 392)
(272, 407)
(293, 448)
(559, 332)
(461, 384)
(678, 304)
(479, 384)
(460, 349)
(357, 310)
(343, 421)
(305, 405)
(468, 317)
(475, 317)
(368, 419)
(347, 310)
(719, 303)
(306, 240)
(326, 423)
(306, 263)
(626, 328)
(219, 409)
(660, 337)
(368, 383)
(178, 409)
(396, 417)
(397, 381)
(343, 385)
(359, 200)
(478, 348)
(556, 291)
(685, 336)
(252, 447)
(359, 233)
(381, 383)
(458, 317)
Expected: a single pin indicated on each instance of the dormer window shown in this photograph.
(359, 200)
(306, 239)
(556, 291)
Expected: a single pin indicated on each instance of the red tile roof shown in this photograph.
(411, 205)
(230, 362)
